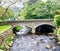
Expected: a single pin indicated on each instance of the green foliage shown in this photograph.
(10, 39)
(58, 32)
(39, 10)
(9, 42)
(9, 13)
(3, 48)
(1, 11)
(5, 14)
(57, 20)
(18, 27)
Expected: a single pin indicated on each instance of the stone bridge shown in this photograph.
(31, 23)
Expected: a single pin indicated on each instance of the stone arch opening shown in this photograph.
(44, 29)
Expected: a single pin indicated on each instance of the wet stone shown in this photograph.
(34, 43)
(54, 48)
(48, 46)
(58, 43)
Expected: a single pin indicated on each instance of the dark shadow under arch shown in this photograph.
(44, 29)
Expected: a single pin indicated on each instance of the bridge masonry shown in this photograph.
(31, 23)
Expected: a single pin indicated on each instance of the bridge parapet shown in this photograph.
(33, 23)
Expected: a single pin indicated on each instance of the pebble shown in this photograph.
(48, 46)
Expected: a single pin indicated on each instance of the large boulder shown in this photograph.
(25, 30)
(44, 29)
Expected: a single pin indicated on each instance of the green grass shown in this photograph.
(4, 27)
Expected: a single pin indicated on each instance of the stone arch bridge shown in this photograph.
(31, 23)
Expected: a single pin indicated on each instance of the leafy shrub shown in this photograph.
(58, 32)
(18, 27)
(57, 20)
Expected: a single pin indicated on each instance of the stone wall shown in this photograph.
(4, 35)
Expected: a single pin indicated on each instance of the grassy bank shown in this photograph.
(4, 27)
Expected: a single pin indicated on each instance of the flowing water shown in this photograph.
(34, 43)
